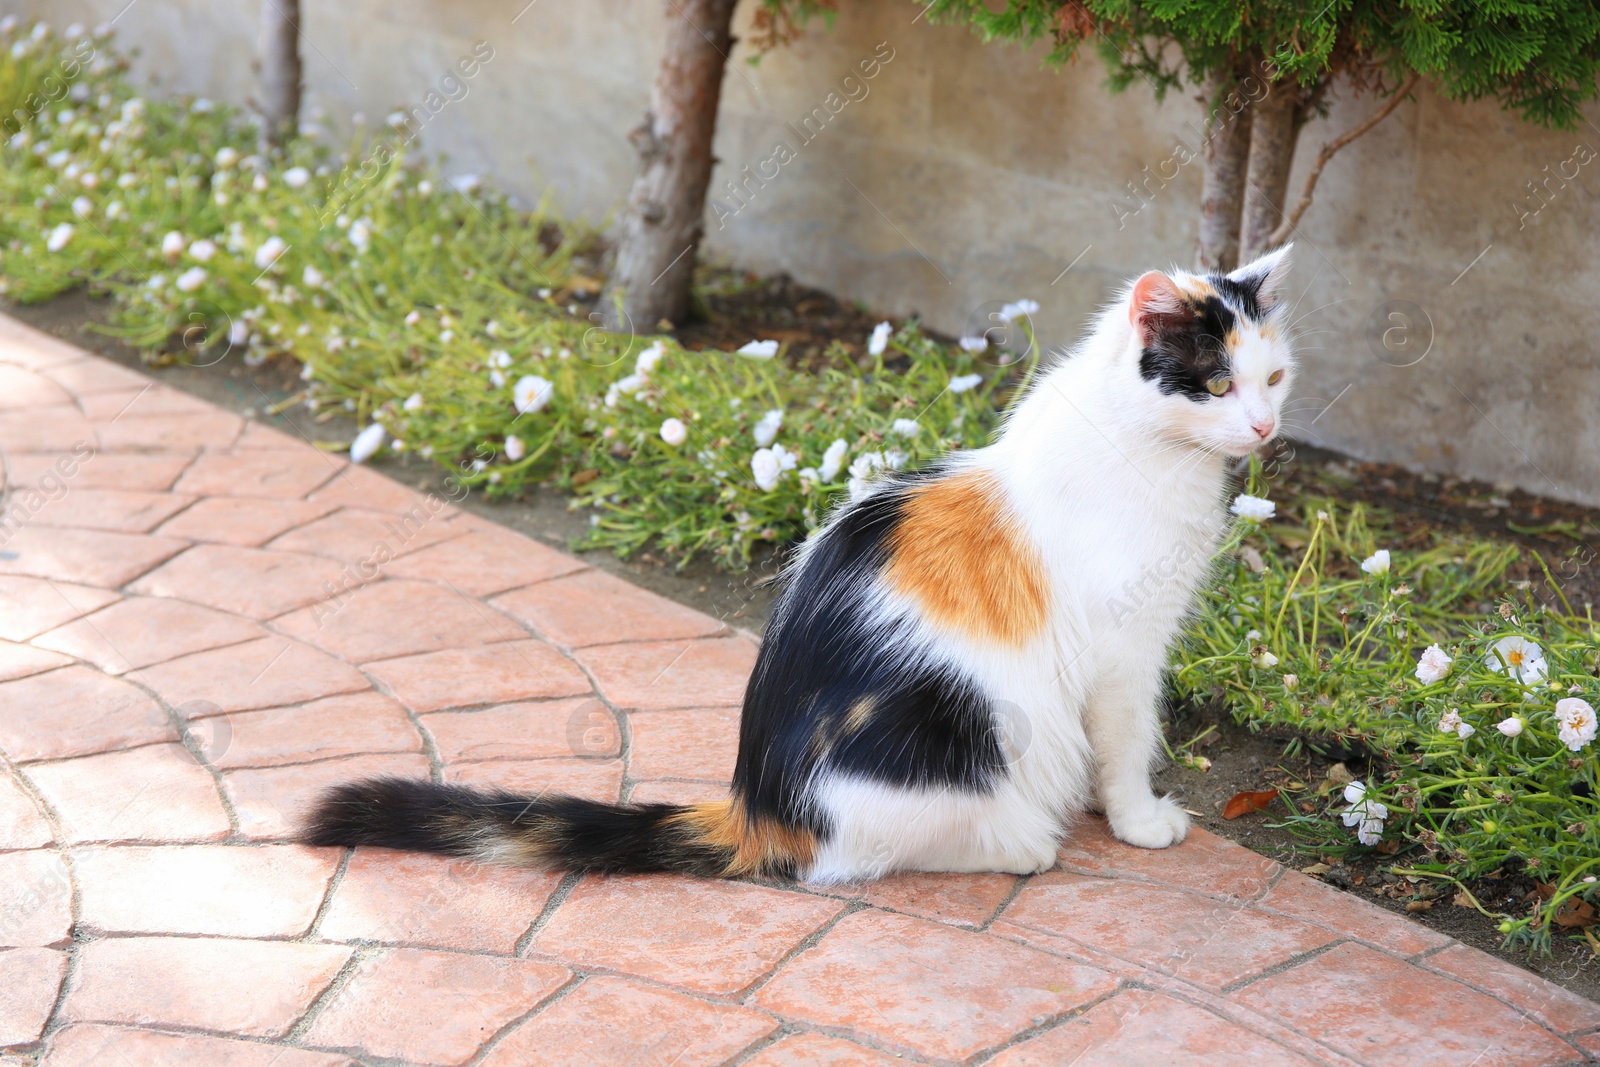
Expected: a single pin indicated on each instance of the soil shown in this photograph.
(739, 308)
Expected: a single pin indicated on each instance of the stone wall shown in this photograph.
(963, 175)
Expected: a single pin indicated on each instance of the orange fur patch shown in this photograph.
(1196, 289)
(756, 846)
(962, 555)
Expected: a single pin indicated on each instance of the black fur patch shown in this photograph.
(923, 726)
(1183, 351)
(1243, 296)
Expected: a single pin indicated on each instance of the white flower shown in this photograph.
(191, 279)
(367, 443)
(270, 250)
(1365, 814)
(1290, 681)
(1433, 665)
(759, 349)
(1510, 727)
(624, 387)
(465, 183)
(1450, 723)
(1577, 721)
(866, 465)
(532, 393)
(1253, 635)
(906, 427)
(1254, 508)
(82, 206)
(202, 250)
(311, 277)
(880, 339)
(767, 427)
(296, 177)
(1377, 563)
(500, 358)
(1466, 730)
(1263, 659)
(766, 468)
(965, 383)
(227, 157)
(1012, 312)
(974, 344)
(515, 449)
(361, 235)
(497, 378)
(259, 183)
(413, 402)
(674, 432)
(413, 317)
(832, 460)
(172, 245)
(895, 459)
(862, 470)
(786, 459)
(1518, 657)
(648, 359)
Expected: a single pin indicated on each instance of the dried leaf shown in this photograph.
(1253, 560)
(1339, 776)
(1247, 802)
(1416, 907)
(1576, 913)
(1387, 848)
(1316, 869)
(1462, 899)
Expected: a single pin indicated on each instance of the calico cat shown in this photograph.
(968, 654)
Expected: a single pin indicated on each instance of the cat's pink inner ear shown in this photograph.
(1154, 295)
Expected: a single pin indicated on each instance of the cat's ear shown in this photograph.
(1156, 306)
(1265, 276)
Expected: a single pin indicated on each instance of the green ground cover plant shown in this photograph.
(452, 323)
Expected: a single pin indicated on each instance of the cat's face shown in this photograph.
(1215, 354)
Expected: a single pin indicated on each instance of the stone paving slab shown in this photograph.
(204, 621)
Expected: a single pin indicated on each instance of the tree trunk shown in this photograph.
(661, 230)
(278, 53)
(1274, 130)
(1222, 189)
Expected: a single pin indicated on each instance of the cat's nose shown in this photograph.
(1264, 428)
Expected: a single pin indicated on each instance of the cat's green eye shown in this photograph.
(1275, 377)
(1219, 385)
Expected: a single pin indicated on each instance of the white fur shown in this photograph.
(1120, 488)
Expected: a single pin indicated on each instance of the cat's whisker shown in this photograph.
(1324, 307)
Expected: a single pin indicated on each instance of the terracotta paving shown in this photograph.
(204, 621)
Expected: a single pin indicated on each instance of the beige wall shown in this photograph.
(968, 176)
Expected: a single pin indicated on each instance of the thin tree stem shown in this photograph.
(1281, 234)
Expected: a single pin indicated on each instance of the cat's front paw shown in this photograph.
(1154, 823)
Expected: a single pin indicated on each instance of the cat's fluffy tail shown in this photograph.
(715, 840)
